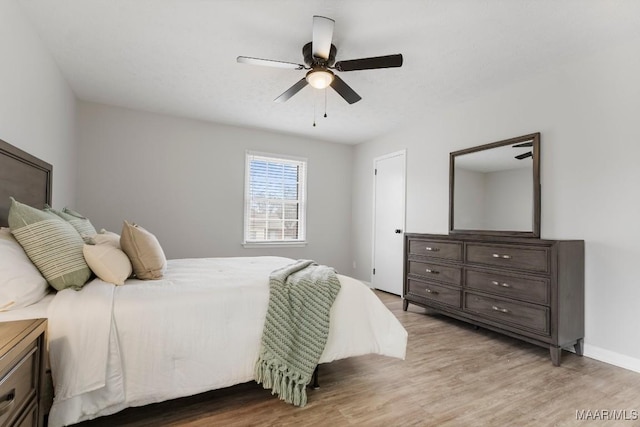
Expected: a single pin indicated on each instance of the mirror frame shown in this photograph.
(535, 137)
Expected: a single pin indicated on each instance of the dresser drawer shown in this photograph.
(18, 384)
(434, 292)
(517, 257)
(436, 249)
(530, 289)
(535, 318)
(437, 272)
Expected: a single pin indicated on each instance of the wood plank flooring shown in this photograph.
(453, 375)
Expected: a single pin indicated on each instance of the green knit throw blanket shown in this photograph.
(296, 328)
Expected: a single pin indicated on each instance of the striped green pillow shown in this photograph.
(79, 222)
(52, 244)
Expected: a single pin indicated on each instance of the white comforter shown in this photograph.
(197, 329)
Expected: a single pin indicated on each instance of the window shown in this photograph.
(274, 199)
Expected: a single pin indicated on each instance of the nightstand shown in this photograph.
(22, 365)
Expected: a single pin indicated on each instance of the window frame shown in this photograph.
(301, 200)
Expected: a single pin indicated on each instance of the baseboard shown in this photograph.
(612, 358)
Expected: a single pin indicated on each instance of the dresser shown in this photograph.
(22, 363)
(526, 288)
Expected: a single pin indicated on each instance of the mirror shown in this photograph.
(494, 189)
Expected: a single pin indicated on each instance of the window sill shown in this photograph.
(257, 245)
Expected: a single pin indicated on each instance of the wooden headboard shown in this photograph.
(24, 177)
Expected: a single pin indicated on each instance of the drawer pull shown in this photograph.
(429, 291)
(430, 271)
(504, 285)
(502, 256)
(430, 249)
(501, 310)
(8, 402)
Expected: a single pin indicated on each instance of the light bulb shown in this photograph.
(319, 79)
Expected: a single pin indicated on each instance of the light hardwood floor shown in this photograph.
(453, 375)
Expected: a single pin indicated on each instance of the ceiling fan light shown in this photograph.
(319, 79)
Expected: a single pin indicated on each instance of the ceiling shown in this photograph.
(178, 57)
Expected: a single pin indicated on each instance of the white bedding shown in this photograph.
(34, 311)
(197, 329)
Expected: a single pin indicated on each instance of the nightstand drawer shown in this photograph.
(18, 384)
(29, 417)
(22, 364)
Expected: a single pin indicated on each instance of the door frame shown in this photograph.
(402, 153)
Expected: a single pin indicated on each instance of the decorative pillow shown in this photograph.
(21, 284)
(79, 222)
(144, 251)
(109, 263)
(104, 237)
(52, 244)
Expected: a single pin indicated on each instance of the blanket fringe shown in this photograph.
(281, 382)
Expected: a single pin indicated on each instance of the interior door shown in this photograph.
(388, 222)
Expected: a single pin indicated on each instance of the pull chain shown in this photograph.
(325, 102)
(315, 98)
(315, 103)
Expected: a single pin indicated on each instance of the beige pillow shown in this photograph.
(144, 251)
(109, 263)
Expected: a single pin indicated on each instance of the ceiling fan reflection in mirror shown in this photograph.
(319, 58)
(526, 154)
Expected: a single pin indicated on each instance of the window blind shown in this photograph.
(274, 199)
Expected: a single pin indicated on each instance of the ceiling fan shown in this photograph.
(319, 56)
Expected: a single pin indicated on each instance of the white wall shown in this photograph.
(508, 207)
(470, 200)
(37, 106)
(587, 113)
(183, 180)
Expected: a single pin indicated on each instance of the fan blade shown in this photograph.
(344, 90)
(523, 144)
(524, 155)
(269, 63)
(388, 61)
(292, 90)
(322, 36)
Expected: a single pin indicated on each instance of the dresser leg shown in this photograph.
(579, 347)
(556, 354)
(405, 304)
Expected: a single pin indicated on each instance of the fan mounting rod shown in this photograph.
(314, 61)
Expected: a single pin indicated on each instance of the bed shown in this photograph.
(196, 329)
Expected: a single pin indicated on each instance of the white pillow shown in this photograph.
(104, 237)
(109, 263)
(21, 284)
